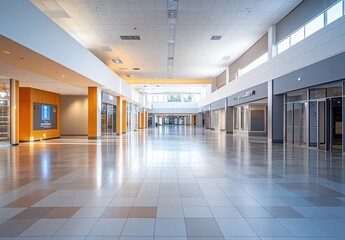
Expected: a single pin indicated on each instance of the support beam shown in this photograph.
(94, 112)
(124, 116)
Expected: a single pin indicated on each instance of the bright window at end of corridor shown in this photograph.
(334, 12)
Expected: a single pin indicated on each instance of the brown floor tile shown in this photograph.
(116, 212)
(31, 198)
(143, 212)
(33, 212)
(62, 212)
(14, 227)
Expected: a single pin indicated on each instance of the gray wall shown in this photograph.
(256, 51)
(304, 12)
(326, 71)
(74, 115)
(220, 104)
(260, 93)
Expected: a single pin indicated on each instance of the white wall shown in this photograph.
(74, 115)
(323, 44)
(23, 23)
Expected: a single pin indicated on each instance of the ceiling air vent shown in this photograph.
(130, 37)
(216, 37)
(136, 69)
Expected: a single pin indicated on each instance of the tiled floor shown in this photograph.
(170, 183)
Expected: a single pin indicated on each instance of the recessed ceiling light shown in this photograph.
(226, 58)
(98, 8)
(6, 52)
(117, 61)
(129, 75)
(215, 37)
(123, 68)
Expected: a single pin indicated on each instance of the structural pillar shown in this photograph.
(14, 137)
(275, 121)
(94, 112)
(124, 116)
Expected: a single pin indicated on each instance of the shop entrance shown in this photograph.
(329, 127)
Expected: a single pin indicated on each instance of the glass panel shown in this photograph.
(289, 122)
(5, 111)
(246, 118)
(314, 25)
(242, 118)
(304, 119)
(334, 12)
(297, 96)
(334, 91)
(257, 120)
(337, 121)
(317, 93)
(297, 36)
(283, 45)
(104, 118)
(236, 118)
(297, 123)
(313, 124)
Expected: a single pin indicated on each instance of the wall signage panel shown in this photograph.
(45, 116)
(249, 95)
(107, 98)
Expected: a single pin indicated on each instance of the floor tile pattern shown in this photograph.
(170, 183)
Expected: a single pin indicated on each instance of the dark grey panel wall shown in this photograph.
(329, 70)
(260, 93)
(254, 52)
(307, 10)
(218, 104)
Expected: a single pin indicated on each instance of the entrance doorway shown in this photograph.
(329, 124)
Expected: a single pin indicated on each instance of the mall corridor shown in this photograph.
(170, 183)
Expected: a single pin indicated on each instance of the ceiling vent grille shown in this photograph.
(136, 69)
(216, 37)
(130, 37)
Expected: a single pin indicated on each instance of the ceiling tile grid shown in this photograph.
(98, 25)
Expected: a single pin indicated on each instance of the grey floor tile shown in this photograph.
(166, 227)
(139, 227)
(77, 227)
(170, 212)
(268, 227)
(108, 227)
(202, 227)
(44, 227)
(235, 227)
(197, 212)
(227, 212)
(254, 212)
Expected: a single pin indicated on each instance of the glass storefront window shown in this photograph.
(289, 122)
(312, 123)
(297, 96)
(317, 93)
(236, 118)
(334, 91)
(5, 110)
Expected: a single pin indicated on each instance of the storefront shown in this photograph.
(247, 111)
(132, 117)
(313, 117)
(218, 115)
(5, 116)
(108, 114)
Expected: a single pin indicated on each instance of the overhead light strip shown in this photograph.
(171, 29)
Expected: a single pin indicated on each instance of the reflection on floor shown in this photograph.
(170, 183)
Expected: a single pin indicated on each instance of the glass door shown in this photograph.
(322, 129)
(336, 120)
(289, 123)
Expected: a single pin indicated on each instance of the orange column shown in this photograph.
(93, 128)
(124, 116)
